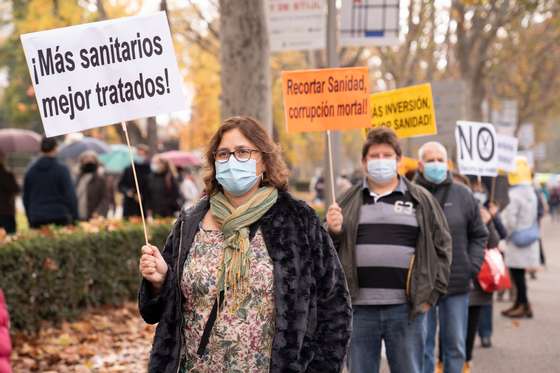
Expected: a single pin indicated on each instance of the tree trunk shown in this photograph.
(244, 59)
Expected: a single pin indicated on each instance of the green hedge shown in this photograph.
(56, 276)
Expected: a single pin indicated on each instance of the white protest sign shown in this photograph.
(476, 148)
(100, 73)
(507, 151)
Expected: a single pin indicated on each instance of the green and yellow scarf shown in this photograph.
(235, 223)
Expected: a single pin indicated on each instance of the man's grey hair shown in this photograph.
(433, 144)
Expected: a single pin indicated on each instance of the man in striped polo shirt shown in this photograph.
(395, 248)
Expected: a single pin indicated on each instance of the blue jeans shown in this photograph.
(485, 322)
(453, 312)
(404, 339)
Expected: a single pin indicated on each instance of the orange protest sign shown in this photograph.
(326, 99)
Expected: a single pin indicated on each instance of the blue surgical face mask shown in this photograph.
(237, 177)
(435, 172)
(382, 171)
(481, 197)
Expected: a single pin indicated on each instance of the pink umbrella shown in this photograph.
(181, 159)
(14, 140)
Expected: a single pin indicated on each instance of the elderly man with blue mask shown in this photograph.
(394, 245)
(469, 236)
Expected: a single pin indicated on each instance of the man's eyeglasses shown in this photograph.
(241, 154)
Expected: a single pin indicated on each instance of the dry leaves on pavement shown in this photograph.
(107, 339)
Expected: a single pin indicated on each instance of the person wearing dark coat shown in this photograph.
(469, 236)
(9, 189)
(164, 190)
(49, 196)
(278, 301)
(480, 302)
(91, 188)
(127, 187)
(394, 244)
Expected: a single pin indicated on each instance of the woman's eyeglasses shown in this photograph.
(241, 154)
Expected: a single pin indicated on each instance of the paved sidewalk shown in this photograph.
(527, 345)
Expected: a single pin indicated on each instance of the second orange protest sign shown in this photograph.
(326, 99)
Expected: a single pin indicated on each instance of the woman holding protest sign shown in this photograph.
(248, 280)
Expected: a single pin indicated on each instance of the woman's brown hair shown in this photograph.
(276, 174)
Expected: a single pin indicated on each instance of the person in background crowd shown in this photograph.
(554, 203)
(479, 300)
(91, 188)
(469, 236)
(49, 196)
(318, 187)
(112, 182)
(542, 210)
(164, 197)
(127, 186)
(545, 193)
(249, 280)
(481, 195)
(395, 248)
(486, 310)
(9, 189)
(188, 188)
(342, 184)
(521, 219)
(5, 343)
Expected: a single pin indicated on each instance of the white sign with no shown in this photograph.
(101, 73)
(476, 148)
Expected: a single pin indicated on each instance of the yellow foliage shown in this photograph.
(42, 15)
(204, 77)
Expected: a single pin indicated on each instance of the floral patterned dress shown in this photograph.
(240, 341)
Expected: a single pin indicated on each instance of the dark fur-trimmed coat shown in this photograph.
(312, 303)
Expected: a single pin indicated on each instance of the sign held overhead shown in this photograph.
(477, 152)
(100, 73)
(326, 99)
(408, 111)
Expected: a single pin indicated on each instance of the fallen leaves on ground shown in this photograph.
(107, 339)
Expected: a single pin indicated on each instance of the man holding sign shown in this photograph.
(395, 248)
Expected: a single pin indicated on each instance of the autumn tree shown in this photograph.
(478, 25)
(531, 75)
(18, 107)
